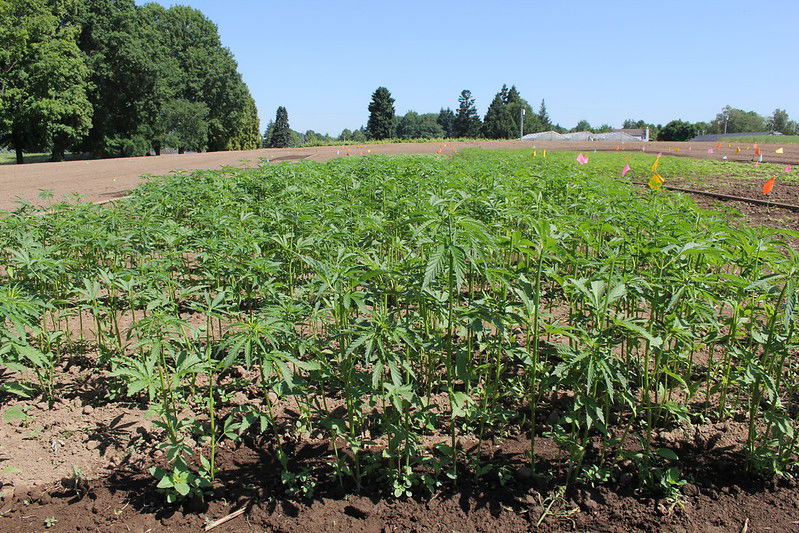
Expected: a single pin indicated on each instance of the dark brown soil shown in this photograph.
(720, 497)
(753, 214)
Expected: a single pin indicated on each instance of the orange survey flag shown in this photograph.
(718, 144)
(757, 150)
(768, 185)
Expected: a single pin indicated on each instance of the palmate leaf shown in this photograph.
(37, 358)
(436, 263)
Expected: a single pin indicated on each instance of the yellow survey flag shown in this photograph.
(676, 148)
(655, 182)
(778, 151)
(535, 153)
(655, 164)
(737, 149)
(545, 153)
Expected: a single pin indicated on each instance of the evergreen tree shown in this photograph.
(281, 133)
(515, 104)
(498, 122)
(381, 115)
(503, 94)
(467, 122)
(446, 119)
(246, 136)
(270, 127)
(543, 116)
(513, 95)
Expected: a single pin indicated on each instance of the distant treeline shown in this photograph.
(110, 78)
(729, 120)
(502, 121)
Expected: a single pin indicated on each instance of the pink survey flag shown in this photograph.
(788, 168)
(582, 159)
(625, 170)
(710, 150)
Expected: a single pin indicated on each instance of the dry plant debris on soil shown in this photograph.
(490, 340)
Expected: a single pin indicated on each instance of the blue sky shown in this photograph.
(602, 61)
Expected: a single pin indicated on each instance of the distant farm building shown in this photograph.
(640, 134)
(619, 136)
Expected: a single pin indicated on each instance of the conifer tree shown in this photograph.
(281, 132)
(543, 116)
(498, 122)
(467, 122)
(381, 123)
(446, 119)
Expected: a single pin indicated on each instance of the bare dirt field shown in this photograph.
(80, 464)
(103, 179)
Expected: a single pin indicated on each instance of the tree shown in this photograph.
(543, 116)
(246, 135)
(498, 122)
(345, 135)
(281, 133)
(467, 122)
(415, 126)
(134, 73)
(359, 135)
(43, 88)
(381, 115)
(185, 125)
(513, 95)
(633, 124)
(677, 130)
(583, 125)
(446, 119)
(779, 121)
(270, 127)
(737, 121)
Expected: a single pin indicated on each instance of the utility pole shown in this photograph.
(521, 123)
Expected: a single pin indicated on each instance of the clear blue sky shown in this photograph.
(602, 61)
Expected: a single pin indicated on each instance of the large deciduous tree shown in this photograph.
(677, 130)
(778, 121)
(412, 125)
(185, 125)
(43, 77)
(381, 115)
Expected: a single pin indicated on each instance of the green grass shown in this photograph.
(764, 139)
(9, 158)
(610, 164)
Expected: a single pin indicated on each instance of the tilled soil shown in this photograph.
(103, 179)
(77, 465)
(720, 497)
